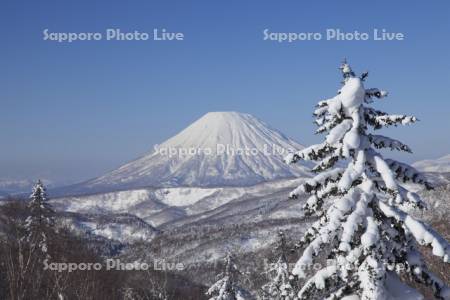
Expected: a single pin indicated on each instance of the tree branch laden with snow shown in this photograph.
(364, 229)
(279, 287)
(226, 287)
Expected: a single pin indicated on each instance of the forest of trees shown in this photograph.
(32, 236)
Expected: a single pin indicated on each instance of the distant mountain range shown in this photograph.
(15, 186)
(219, 149)
(439, 165)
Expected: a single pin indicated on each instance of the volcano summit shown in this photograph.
(219, 149)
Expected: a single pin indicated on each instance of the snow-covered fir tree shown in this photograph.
(279, 287)
(227, 287)
(40, 222)
(362, 203)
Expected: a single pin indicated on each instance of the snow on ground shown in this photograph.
(122, 228)
(178, 207)
(158, 206)
(114, 202)
(183, 196)
(119, 232)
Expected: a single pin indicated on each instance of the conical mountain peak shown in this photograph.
(218, 149)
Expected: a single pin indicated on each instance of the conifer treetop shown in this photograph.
(40, 221)
(279, 287)
(227, 287)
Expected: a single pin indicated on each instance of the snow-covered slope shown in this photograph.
(219, 149)
(179, 204)
(440, 165)
(124, 228)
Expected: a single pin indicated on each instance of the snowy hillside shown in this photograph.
(440, 165)
(180, 204)
(188, 213)
(219, 149)
(134, 215)
(124, 228)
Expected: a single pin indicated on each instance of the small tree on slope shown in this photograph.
(279, 287)
(226, 288)
(364, 223)
(39, 224)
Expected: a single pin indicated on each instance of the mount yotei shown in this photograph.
(219, 149)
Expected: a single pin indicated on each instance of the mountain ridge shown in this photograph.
(438, 165)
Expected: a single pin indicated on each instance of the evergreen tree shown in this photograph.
(279, 287)
(40, 222)
(226, 287)
(363, 228)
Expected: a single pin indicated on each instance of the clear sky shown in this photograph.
(71, 111)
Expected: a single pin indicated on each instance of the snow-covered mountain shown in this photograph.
(219, 149)
(180, 207)
(158, 206)
(124, 228)
(440, 165)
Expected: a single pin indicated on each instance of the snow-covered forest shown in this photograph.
(335, 220)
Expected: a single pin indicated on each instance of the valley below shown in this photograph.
(197, 227)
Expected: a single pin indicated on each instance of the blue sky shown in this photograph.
(73, 111)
